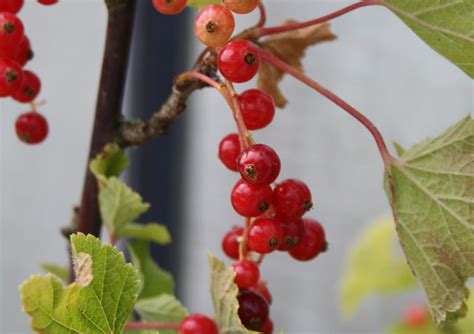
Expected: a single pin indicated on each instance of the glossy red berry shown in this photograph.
(267, 327)
(262, 288)
(257, 108)
(238, 61)
(11, 30)
(11, 6)
(29, 89)
(247, 274)
(214, 25)
(265, 235)
(293, 232)
(48, 2)
(31, 127)
(250, 200)
(197, 324)
(230, 243)
(11, 77)
(416, 316)
(169, 7)
(20, 53)
(259, 164)
(253, 309)
(313, 242)
(241, 6)
(229, 151)
(291, 199)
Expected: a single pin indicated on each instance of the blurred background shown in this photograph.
(377, 64)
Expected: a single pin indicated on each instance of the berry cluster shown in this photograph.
(16, 82)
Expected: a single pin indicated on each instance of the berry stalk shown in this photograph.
(151, 325)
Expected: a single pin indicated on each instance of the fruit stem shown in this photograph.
(243, 243)
(151, 325)
(263, 15)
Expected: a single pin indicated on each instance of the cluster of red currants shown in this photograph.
(16, 82)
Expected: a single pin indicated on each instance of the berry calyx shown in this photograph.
(291, 199)
(31, 127)
(238, 61)
(416, 316)
(169, 7)
(250, 200)
(293, 232)
(267, 327)
(214, 25)
(48, 2)
(262, 288)
(257, 108)
(247, 274)
(313, 242)
(230, 243)
(11, 29)
(241, 6)
(197, 324)
(253, 309)
(11, 77)
(265, 235)
(259, 164)
(29, 89)
(229, 151)
(11, 6)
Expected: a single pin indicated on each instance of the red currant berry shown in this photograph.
(229, 151)
(197, 324)
(214, 25)
(253, 309)
(230, 243)
(293, 232)
(313, 242)
(262, 288)
(11, 6)
(291, 199)
(31, 127)
(241, 6)
(20, 53)
(238, 61)
(11, 29)
(250, 200)
(415, 316)
(11, 77)
(259, 164)
(29, 89)
(246, 274)
(267, 327)
(48, 2)
(169, 7)
(265, 235)
(257, 108)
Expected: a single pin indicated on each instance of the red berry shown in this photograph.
(214, 25)
(238, 61)
(229, 151)
(262, 288)
(416, 316)
(197, 324)
(169, 7)
(241, 6)
(293, 232)
(31, 127)
(20, 53)
(265, 235)
(257, 108)
(291, 199)
(29, 89)
(250, 200)
(11, 6)
(11, 77)
(253, 309)
(259, 164)
(313, 242)
(11, 29)
(246, 274)
(48, 2)
(267, 327)
(230, 243)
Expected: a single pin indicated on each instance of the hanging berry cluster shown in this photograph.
(16, 82)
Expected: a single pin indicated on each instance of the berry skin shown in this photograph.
(250, 200)
(257, 108)
(229, 151)
(11, 30)
(197, 324)
(241, 6)
(29, 89)
(238, 61)
(259, 164)
(230, 243)
(169, 7)
(262, 288)
(267, 327)
(20, 53)
(265, 235)
(31, 127)
(313, 242)
(11, 77)
(253, 309)
(48, 2)
(247, 274)
(11, 6)
(415, 316)
(293, 232)
(291, 199)
(214, 25)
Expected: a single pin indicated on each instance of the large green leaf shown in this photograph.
(151, 231)
(431, 190)
(445, 25)
(99, 301)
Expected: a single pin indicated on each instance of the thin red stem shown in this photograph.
(243, 243)
(151, 325)
(246, 139)
(263, 15)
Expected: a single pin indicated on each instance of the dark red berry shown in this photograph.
(229, 151)
(291, 199)
(20, 53)
(48, 2)
(250, 200)
(169, 7)
(11, 77)
(313, 242)
(238, 61)
(197, 324)
(214, 25)
(11, 6)
(253, 309)
(11, 30)
(29, 89)
(247, 274)
(267, 327)
(241, 6)
(31, 127)
(262, 288)
(259, 164)
(257, 108)
(265, 235)
(293, 232)
(416, 316)
(230, 243)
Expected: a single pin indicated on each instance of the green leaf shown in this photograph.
(61, 272)
(447, 26)
(367, 274)
(202, 3)
(429, 328)
(99, 301)
(431, 190)
(154, 280)
(224, 297)
(110, 162)
(399, 148)
(151, 232)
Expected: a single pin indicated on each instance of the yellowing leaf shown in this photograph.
(202, 3)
